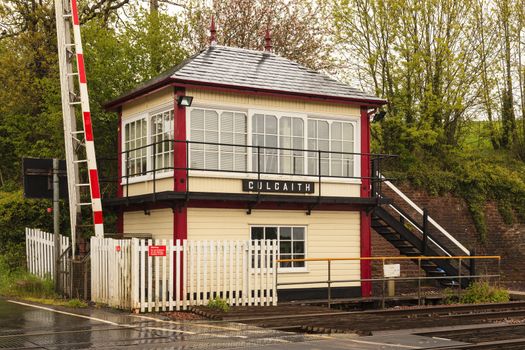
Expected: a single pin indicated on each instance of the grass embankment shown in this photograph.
(20, 284)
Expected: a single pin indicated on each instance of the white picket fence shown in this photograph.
(40, 252)
(111, 272)
(165, 275)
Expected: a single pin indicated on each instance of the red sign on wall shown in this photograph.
(117, 248)
(157, 250)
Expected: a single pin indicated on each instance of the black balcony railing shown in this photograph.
(142, 163)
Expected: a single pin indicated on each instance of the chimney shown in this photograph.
(213, 32)
(268, 39)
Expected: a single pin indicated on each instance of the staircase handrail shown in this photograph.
(420, 211)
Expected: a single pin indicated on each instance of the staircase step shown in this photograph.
(384, 230)
(435, 272)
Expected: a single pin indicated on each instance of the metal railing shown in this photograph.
(255, 162)
(383, 259)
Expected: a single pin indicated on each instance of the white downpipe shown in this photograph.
(430, 220)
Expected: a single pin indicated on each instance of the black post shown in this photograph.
(319, 170)
(258, 171)
(56, 223)
(472, 264)
(154, 153)
(425, 231)
(375, 179)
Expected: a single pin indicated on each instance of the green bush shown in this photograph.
(20, 283)
(218, 304)
(483, 292)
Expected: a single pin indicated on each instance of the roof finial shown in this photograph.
(268, 39)
(213, 32)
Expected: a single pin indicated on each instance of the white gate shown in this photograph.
(111, 271)
(40, 252)
(161, 275)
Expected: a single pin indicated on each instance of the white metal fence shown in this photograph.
(40, 252)
(162, 275)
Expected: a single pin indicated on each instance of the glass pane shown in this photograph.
(312, 128)
(298, 233)
(298, 264)
(348, 132)
(285, 233)
(271, 232)
(258, 123)
(285, 247)
(285, 264)
(197, 159)
(322, 129)
(271, 124)
(298, 127)
(285, 126)
(197, 119)
(257, 233)
(337, 131)
(211, 120)
(240, 123)
(298, 247)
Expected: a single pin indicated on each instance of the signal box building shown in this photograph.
(236, 144)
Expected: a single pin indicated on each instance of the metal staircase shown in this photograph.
(420, 237)
(82, 174)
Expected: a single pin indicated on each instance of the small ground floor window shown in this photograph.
(291, 239)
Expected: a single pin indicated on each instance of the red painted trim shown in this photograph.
(95, 188)
(97, 217)
(365, 218)
(74, 11)
(180, 178)
(88, 126)
(119, 155)
(240, 90)
(81, 68)
(180, 215)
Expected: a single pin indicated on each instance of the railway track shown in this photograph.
(324, 320)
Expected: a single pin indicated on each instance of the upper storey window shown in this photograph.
(225, 140)
(148, 144)
(217, 140)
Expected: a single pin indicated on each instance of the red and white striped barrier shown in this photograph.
(96, 203)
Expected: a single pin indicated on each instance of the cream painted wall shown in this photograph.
(159, 223)
(145, 187)
(147, 103)
(330, 234)
(211, 98)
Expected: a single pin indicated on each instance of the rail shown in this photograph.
(423, 213)
(312, 164)
(383, 259)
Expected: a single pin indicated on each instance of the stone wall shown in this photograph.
(452, 213)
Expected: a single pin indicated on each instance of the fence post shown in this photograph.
(472, 265)
(425, 231)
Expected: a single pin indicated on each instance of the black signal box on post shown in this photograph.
(38, 178)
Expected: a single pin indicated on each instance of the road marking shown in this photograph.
(97, 319)
(388, 344)
(205, 325)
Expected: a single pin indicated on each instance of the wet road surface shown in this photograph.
(28, 326)
(42, 327)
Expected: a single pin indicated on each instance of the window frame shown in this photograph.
(219, 110)
(279, 268)
(147, 115)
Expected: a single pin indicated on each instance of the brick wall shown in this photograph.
(453, 215)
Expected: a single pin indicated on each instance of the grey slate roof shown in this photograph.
(236, 67)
